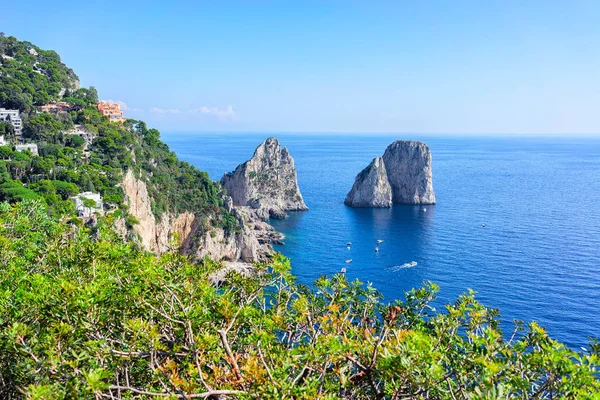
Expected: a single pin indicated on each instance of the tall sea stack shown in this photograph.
(403, 175)
(267, 182)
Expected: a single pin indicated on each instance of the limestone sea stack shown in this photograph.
(371, 187)
(403, 175)
(266, 183)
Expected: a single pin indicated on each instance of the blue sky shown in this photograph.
(332, 66)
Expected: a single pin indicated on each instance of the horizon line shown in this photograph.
(541, 134)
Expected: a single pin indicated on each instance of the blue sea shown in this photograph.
(536, 258)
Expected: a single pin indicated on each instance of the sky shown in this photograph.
(468, 67)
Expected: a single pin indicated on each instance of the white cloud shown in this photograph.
(123, 105)
(222, 114)
(157, 110)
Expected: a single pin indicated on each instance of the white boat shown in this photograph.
(376, 249)
(379, 241)
(348, 261)
(349, 244)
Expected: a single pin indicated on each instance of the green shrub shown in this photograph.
(14, 191)
(88, 316)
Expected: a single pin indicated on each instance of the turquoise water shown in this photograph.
(537, 258)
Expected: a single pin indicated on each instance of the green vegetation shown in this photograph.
(86, 316)
(26, 81)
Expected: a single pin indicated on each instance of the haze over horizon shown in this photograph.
(441, 67)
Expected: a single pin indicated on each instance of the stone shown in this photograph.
(266, 183)
(408, 165)
(371, 187)
(402, 176)
(197, 237)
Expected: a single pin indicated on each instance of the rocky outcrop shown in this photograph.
(408, 165)
(266, 183)
(194, 236)
(403, 175)
(371, 187)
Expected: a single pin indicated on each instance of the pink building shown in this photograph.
(112, 111)
(54, 108)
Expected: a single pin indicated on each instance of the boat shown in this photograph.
(376, 249)
(348, 247)
(379, 241)
(411, 264)
(349, 244)
(483, 225)
(343, 270)
(348, 261)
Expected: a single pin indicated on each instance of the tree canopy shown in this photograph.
(87, 315)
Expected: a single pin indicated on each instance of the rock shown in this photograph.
(220, 276)
(195, 236)
(252, 243)
(402, 176)
(266, 183)
(408, 165)
(371, 187)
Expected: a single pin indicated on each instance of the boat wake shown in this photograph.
(403, 266)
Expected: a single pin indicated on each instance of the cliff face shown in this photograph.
(196, 237)
(403, 175)
(266, 183)
(408, 165)
(371, 187)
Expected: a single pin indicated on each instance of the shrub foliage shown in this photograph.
(85, 315)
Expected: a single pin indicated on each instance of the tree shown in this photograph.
(65, 189)
(7, 129)
(88, 96)
(14, 191)
(118, 321)
(5, 152)
(43, 127)
(76, 141)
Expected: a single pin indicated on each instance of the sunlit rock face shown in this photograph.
(402, 176)
(266, 183)
(371, 187)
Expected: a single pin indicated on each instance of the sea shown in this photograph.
(517, 220)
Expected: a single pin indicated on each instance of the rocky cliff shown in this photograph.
(194, 236)
(266, 183)
(371, 187)
(403, 175)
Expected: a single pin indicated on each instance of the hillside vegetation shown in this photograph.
(63, 169)
(83, 318)
(86, 314)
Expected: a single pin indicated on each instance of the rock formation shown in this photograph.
(266, 183)
(371, 187)
(402, 176)
(196, 237)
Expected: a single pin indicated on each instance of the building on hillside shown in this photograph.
(2, 141)
(85, 210)
(14, 117)
(55, 108)
(88, 137)
(32, 147)
(112, 111)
